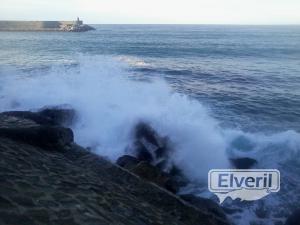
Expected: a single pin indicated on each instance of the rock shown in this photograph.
(204, 205)
(153, 150)
(155, 175)
(39, 119)
(127, 161)
(58, 116)
(243, 163)
(47, 116)
(76, 28)
(88, 190)
(294, 219)
(50, 137)
(148, 145)
(144, 169)
(143, 154)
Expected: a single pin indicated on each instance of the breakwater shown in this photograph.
(67, 26)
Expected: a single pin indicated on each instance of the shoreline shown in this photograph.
(46, 178)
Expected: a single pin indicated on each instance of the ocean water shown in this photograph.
(215, 91)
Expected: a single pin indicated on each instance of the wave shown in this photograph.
(110, 103)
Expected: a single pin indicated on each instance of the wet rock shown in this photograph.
(155, 175)
(153, 149)
(294, 219)
(40, 215)
(47, 116)
(43, 136)
(4, 203)
(89, 189)
(12, 218)
(24, 201)
(149, 145)
(204, 205)
(143, 153)
(59, 116)
(243, 163)
(127, 161)
(29, 116)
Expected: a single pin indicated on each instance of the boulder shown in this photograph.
(149, 146)
(127, 161)
(50, 137)
(58, 116)
(243, 163)
(152, 151)
(294, 218)
(153, 174)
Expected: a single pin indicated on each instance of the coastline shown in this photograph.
(48, 179)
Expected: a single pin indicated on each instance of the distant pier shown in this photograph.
(59, 26)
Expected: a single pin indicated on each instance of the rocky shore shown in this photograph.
(46, 178)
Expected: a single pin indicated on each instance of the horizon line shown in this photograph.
(203, 24)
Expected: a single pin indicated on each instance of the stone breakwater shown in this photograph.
(46, 178)
(64, 26)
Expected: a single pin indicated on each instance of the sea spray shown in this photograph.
(110, 103)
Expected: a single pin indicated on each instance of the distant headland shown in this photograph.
(63, 26)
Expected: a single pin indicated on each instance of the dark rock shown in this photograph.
(30, 116)
(149, 145)
(243, 163)
(142, 153)
(13, 218)
(40, 215)
(143, 130)
(59, 116)
(47, 116)
(24, 201)
(91, 189)
(42, 136)
(204, 205)
(294, 219)
(4, 203)
(127, 161)
(155, 175)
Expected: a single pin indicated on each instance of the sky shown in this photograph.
(155, 11)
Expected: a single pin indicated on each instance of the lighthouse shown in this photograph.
(78, 22)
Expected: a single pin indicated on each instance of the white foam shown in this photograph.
(109, 104)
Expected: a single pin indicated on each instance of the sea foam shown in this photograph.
(110, 103)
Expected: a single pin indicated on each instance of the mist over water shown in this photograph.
(110, 101)
(216, 93)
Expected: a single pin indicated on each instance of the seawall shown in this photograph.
(43, 26)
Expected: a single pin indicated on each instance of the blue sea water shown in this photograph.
(214, 90)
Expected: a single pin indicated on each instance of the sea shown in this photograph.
(216, 91)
